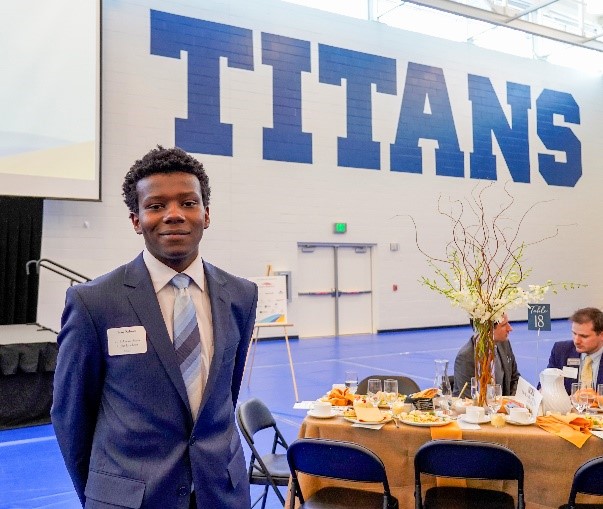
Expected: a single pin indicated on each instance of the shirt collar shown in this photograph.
(594, 356)
(161, 274)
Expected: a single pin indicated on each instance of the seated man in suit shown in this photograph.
(151, 358)
(580, 358)
(505, 370)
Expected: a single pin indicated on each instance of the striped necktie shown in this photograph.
(587, 370)
(187, 338)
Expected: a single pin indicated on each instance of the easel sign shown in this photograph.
(271, 312)
(272, 299)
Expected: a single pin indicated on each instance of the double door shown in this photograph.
(335, 289)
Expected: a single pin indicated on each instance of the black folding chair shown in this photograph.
(338, 460)
(269, 469)
(467, 459)
(406, 385)
(588, 479)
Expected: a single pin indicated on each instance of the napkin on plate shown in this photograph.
(369, 414)
(571, 427)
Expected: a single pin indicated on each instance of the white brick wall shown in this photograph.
(261, 209)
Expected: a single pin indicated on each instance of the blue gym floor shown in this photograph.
(32, 474)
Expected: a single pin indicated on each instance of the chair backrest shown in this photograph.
(468, 459)
(254, 416)
(406, 385)
(588, 479)
(337, 460)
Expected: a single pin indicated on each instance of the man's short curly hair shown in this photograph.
(163, 160)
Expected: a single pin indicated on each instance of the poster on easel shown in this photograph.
(272, 299)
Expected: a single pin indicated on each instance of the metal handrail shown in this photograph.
(57, 268)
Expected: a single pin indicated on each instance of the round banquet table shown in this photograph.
(549, 461)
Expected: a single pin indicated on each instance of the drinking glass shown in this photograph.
(351, 381)
(373, 392)
(600, 396)
(582, 396)
(474, 390)
(494, 397)
(390, 388)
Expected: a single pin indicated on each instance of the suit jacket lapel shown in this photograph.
(220, 312)
(143, 299)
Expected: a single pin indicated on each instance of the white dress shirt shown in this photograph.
(161, 275)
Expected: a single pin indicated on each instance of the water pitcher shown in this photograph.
(442, 382)
(554, 395)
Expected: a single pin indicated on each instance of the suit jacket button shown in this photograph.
(183, 491)
(192, 440)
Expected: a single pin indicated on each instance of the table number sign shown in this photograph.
(539, 317)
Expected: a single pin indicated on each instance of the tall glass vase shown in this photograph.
(484, 357)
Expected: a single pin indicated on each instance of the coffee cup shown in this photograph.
(475, 414)
(322, 408)
(519, 414)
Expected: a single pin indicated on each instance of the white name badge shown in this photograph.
(573, 361)
(127, 340)
(569, 372)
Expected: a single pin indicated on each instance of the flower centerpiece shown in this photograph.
(482, 273)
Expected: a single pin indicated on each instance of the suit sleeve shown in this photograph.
(464, 368)
(553, 360)
(77, 388)
(246, 327)
(514, 371)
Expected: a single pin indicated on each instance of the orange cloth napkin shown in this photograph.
(571, 427)
(449, 432)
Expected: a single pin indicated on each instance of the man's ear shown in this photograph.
(206, 220)
(135, 222)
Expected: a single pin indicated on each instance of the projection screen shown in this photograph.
(50, 96)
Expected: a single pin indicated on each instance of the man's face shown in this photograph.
(586, 340)
(171, 217)
(502, 329)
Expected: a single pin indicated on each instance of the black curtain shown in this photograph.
(20, 241)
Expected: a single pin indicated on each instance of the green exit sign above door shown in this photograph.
(340, 227)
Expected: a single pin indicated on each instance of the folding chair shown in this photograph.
(588, 479)
(467, 459)
(269, 469)
(338, 460)
(406, 385)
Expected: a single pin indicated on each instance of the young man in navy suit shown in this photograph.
(586, 347)
(132, 431)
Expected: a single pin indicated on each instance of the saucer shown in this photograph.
(317, 416)
(520, 423)
(483, 420)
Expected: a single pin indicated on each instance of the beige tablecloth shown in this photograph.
(549, 461)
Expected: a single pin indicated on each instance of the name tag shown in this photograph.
(569, 372)
(573, 361)
(127, 340)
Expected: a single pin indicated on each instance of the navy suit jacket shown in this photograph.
(124, 423)
(560, 353)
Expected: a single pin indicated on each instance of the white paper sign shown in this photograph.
(127, 340)
(272, 299)
(528, 395)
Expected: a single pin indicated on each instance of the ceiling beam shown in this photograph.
(450, 6)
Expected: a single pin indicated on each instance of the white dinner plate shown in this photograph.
(518, 423)
(426, 424)
(483, 420)
(317, 416)
(356, 421)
